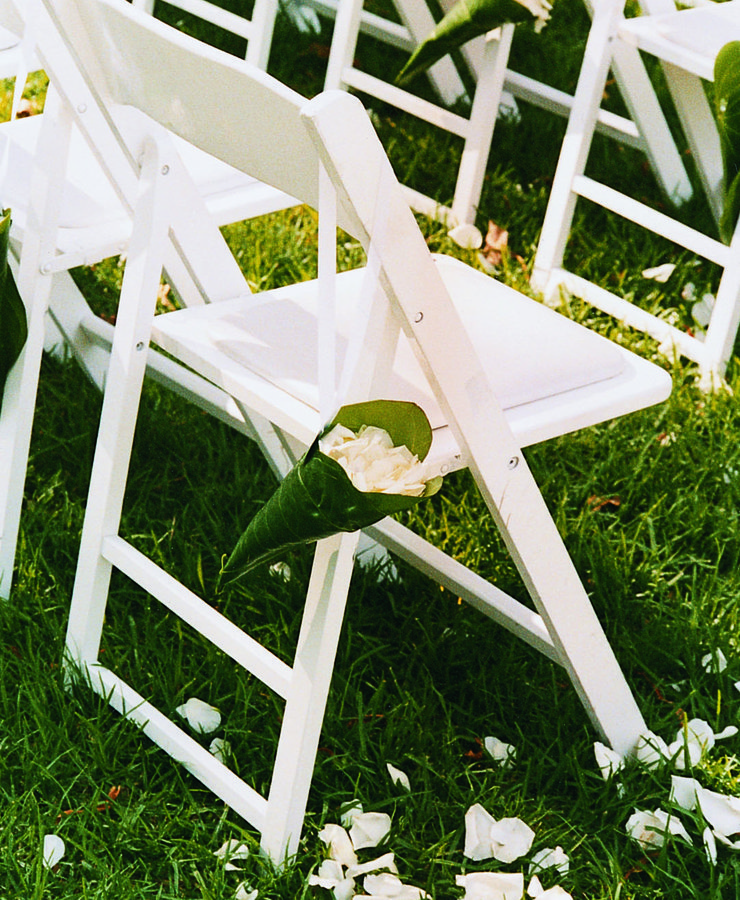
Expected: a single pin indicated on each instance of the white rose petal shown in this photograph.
(232, 851)
(466, 236)
(200, 716)
(728, 732)
(722, 811)
(389, 885)
(684, 792)
(696, 740)
(328, 874)
(701, 311)
(491, 885)
(534, 888)
(386, 861)
(651, 750)
(500, 751)
(512, 838)
(369, 829)
(245, 891)
(608, 760)
(53, 850)
(723, 839)
(714, 662)
(220, 748)
(649, 828)
(556, 893)
(540, 9)
(661, 274)
(339, 844)
(550, 858)
(348, 811)
(478, 824)
(398, 777)
(281, 570)
(710, 845)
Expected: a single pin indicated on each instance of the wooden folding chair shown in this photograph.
(493, 370)
(687, 43)
(495, 85)
(78, 211)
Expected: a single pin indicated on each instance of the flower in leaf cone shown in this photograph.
(467, 20)
(317, 499)
(13, 324)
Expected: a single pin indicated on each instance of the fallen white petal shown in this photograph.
(389, 885)
(281, 570)
(728, 732)
(53, 850)
(714, 662)
(348, 811)
(534, 888)
(608, 760)
(245, 891)
(478, 824)
(683, 792)
(499, 750)
(651, 750)
(345, 890)
(466, 236)
(722, 811)
(398, 777)
(701, 311)
(386, 861)
(660, 273)
(550, 858)
(339, 844)
(556, 893)
(369, 829)
(329, 874)
(231, 850)
(723, 839)
(649, 828)
(491, 885)
(220, 748)
(710, 845)
(200, 716)
(511, 839)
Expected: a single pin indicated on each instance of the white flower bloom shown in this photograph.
(386, 861)
(398, 777)
(500, 751)
(540, 9)
(491, 885)
(649, 828)
(661, 274)
(466, 236)
(478, 823)
(511, 839)
(710, 845)
(550, 858)
(53, 850)
(339, 844)
(369, 829)
(200, 716)
(220, 748)
(722, 811)
(684, 792)
(372, 463)
(651, 750)
(608, 760)
(714, 662)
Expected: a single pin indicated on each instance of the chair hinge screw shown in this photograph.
(513, 462)
(418, 317)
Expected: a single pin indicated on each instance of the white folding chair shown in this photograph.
(687, 43)
(464, 346)
(487, 58)
(84, 217)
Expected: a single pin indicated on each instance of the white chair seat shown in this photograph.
(543, 369)
(689, 38)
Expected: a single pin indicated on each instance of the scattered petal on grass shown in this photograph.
(369, 829)
(478, 823)
(499, 750)
(53, 850)
(281, 570)
(398, 777)
(232, 851)
(608, 760)
(651, 750)
(701, 311)
(534, 888)
(555, 893)
(550, 858)
(649, 829)
(245, 891)
(466, 236)
(386, 861)
(330, 875)
(710, 845)
(694, 740)
(684, 792)
(512, 838)
(491, 885)
(348, 811)
(339, 844)
(220, 748)
(200, 716)
(389, 885)
(714, 662)
(722, 811)
(661, 273)
(728, 732)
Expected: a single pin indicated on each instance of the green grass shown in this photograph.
(420, 678)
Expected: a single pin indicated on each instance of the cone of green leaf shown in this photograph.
(727, 107)
(317, 498)
(13, 326)
(467, 20)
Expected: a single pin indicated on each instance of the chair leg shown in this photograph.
(306, 701)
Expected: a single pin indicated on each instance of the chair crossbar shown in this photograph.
(196, 612)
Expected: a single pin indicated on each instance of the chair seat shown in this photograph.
(546, 368)
(93, 217)
(689, 38)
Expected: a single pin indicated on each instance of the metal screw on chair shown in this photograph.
(81, 108)
(140, 346)
(513, 462)
(165, 169)
(418, 317)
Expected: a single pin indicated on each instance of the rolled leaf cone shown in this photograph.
(13, 325)
(727, 108)
(466, 20)
(317, 499)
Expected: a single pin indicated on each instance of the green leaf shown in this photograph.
(317, 499)
(13, 326)
(727, 108)
(466, 20)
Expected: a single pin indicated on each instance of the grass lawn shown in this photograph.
(647, 505)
